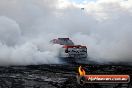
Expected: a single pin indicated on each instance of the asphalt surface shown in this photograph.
(57, 76)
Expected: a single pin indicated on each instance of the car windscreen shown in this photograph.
(66, 42)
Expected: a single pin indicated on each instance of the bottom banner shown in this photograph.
(82, 78)
(103, 79)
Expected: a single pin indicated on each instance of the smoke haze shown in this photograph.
(27, 26)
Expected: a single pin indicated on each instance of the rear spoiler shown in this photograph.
(74, 46)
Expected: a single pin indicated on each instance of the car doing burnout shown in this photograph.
(69, 50)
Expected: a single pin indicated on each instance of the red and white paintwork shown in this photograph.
(69, 50)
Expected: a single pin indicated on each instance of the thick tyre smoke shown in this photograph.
(26, 27)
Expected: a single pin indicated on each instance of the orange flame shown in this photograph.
(81, 71)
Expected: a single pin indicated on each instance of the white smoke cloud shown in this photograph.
(9, 31)
(26, 27)
(110, 39)
(17, 49)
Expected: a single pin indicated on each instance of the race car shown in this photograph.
(69, 49)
